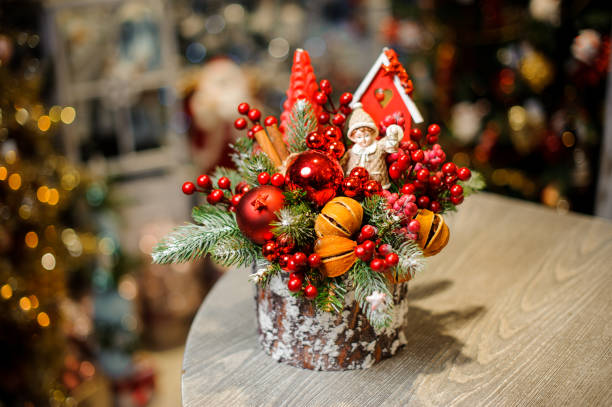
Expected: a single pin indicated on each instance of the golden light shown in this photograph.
(70, 181)
(3, 173)
(54, 113)
(14, 181)
(21, 116)
(10, 156)
(44, 123)
(568, 139)
(43, 319)
(128, 288)
(87, 369)
(53, 196)
(68, 114)
(34, 301)
(517, 117)
(106, 246)
(25, 304)
(25, 211)
(48, 261)
(6, 291)
(31, 239)
(42, 193)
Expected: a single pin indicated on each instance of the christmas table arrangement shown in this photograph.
(335, 209)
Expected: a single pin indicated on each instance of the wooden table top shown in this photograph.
(515, 311)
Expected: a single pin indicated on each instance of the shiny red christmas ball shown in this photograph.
(315, 140)
(464, 173)
(240, 123)
(243, 108)
(310, 291)
(204, 181)
(351, 187)
(369, 246)
(188, 188)
(384, 249)
(285, 244)
(449, 168)
(432, 139)
(361, 253)
(235, 199)
(434, 181)
(254, 114)
(412, 145)
(368, 231)
(345, 110)
(269, 250)
(316, 173)
(346, 98)
(423, 175)
(332, 133)
(300, 259)
(256, 209)
(403, 161)
(283, 260)
(257, 128)
(278, 180)
(360, 173)
(414, 226)
(336, 149)
(242, 187)
(372, 187)
(224, 183)
(251, 134)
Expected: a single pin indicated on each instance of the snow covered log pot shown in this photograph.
(292, 331)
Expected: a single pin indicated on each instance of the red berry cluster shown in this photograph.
(277, 179)
(370, 249)
(329, 111)
(358, 183)
(395, 118)
(421, 172)
(328, 141)
(254, 115)
(215, 196)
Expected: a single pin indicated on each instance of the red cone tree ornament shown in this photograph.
(302, 85)
(317, 174)
(255, 211)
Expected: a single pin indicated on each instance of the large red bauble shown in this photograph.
(255, 211)
(317, 174)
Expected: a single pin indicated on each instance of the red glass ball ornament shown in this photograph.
(320, 98)
(346, 98)
(449, 168)
(240, 123)
(423, 175)
(278, 180)
(256, 209)
(315, 141)
(456, 200)
(339, 119)
(372, 187)
(325, 86)
(263, 178)
(332, 133)
(394, 171)
(392, 259)
(414, 226)
(243, 108)
(423, 202)
(433, 129)
(351, 187)
(336, 149)
(407, 189)
(269, 250)
(314, 260)
(254, 114)
(360, 173)
(323, 118)
(224, 183)
(435, 206)
(464, 173)
(377, 264)
(285, 243)
(316, 173)
(389, 120)
(456, 190)
(417, 156)
(416, 134)
(188, 188)
(204, 181)
(310, 291)
(215, 196)
(294, 285)
(270, 120)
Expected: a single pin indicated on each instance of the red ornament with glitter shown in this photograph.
(255, 211)
(317, 174)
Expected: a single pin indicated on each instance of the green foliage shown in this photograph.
(264, 271)
(243, 148)
(301, 122)
(377, 214)
(296, 221)
(473, 185)
(411, 260)
(365, 282)
(185, 243)
(331, 295)
(250, 167)
(295, 196)
(235, 250)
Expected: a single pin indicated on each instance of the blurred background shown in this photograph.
(107, 106)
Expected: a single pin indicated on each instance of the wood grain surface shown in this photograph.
(515, 311)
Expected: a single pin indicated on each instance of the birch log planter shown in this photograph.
(292, 331)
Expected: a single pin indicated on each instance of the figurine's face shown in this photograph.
(362, 136)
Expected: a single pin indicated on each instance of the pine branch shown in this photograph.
(252, 166)
(473, 185)
(301, 122)
(185, 243)
(366, 282)
(264, 271)
(411, 260)
(331, 295)
(243, 148)
(297, 221)
(378, 215)
(235, 250)
(295, 196)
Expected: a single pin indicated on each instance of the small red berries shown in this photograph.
(263, 178)
(188, 188)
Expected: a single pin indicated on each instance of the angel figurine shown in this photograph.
(367, 151)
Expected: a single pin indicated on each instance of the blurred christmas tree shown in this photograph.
(519, 86)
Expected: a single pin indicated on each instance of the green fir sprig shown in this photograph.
(243, 148)
(365, 282)
(473, 185)
(331, 295)
(377, 214)
(230, 173)
(250, 167)
(301, 122)
(296, 221)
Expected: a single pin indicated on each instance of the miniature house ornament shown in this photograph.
(330, 249)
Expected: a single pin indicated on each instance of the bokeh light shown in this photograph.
(25, 304)
(68, 115)
(6, 291)
(31, 239)
(43, 319)
(14, 181)
(44, 123)
(48, 261)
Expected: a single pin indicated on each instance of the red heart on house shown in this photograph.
(383, 96)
